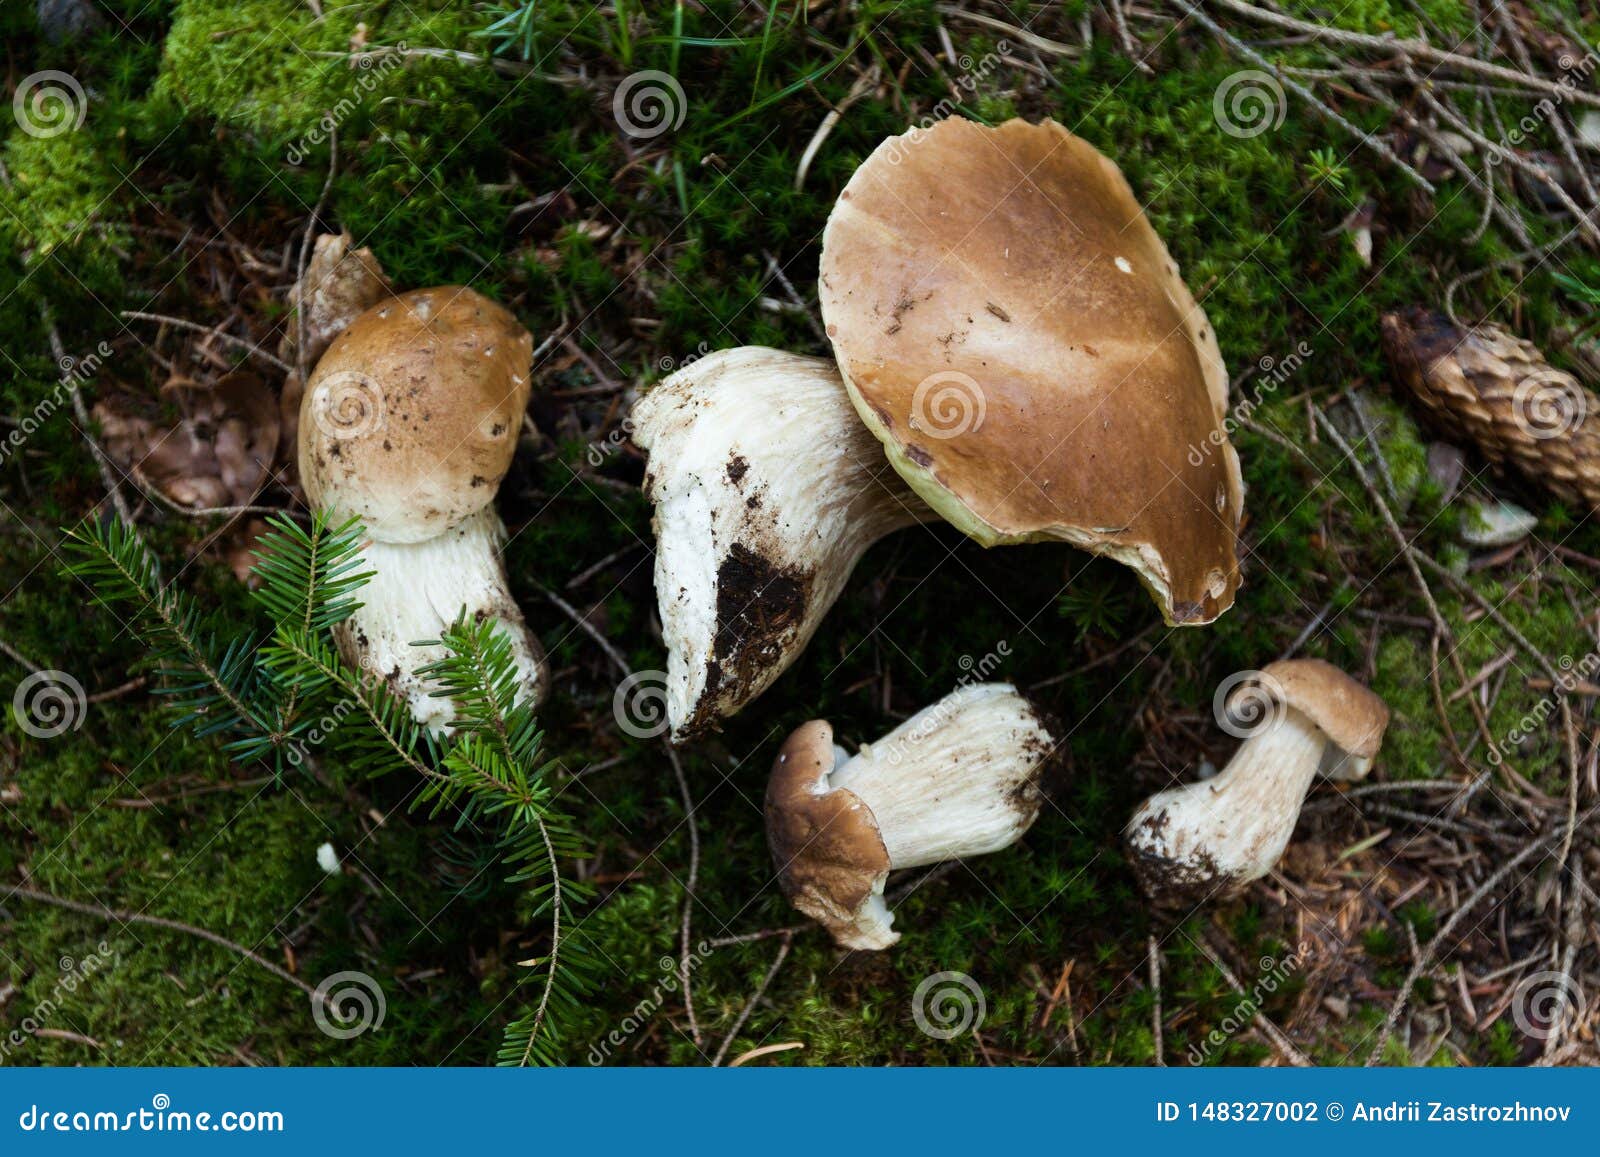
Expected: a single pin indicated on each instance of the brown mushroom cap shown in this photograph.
(411, 418)
(1012, 329)
(1351, 714)
(830, 857)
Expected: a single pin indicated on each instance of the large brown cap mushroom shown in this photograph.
(411, 417)
(825, 843)
(1012, 329)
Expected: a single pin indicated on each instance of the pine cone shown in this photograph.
(1481, 384)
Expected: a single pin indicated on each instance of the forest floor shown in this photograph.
(1424, 917)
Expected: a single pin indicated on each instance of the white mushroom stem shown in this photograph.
(416, 592)
(767, 491)
(1223, 832)
(957, 779)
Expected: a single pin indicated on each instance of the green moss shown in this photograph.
(651, 252)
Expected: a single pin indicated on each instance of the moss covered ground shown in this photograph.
(517, 180)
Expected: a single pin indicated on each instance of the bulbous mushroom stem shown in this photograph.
(960, 778)
(419, 589)
(767, 491)
(1217, 835)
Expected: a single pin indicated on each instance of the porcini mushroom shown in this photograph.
(1012, 329)
(409, 422)
(767, 491)
(1012, 333)
(959, 778)
(1300, 717)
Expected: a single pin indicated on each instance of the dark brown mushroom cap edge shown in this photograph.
(1018, 258)
(827, 850)
(425, 395)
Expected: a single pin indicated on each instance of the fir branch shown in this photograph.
(491, 772)
(115, 561)
(494, 771)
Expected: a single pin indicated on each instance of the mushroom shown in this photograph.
(959, 778)
(1297, 717)
(767, 491)
(1012, 329)
(409, 422)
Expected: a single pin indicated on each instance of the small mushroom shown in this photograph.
(959, 778)
(1211, 838)
(767, 491)
(409, 422)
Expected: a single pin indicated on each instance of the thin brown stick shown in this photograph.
(1272, 1032)
(305, 256)
(1425, 958)
(1153, 949)
(249, 347)
(588, 628)
(761, 990)
(1394, 46)
(1558, 122)
(1314, 102)
(121, 917)
(1410, 555)
(688, 889)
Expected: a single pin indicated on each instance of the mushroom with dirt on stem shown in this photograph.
(767, 491)
(409, 423)
(1019, 349)
(960, 778)
(1298, 717)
